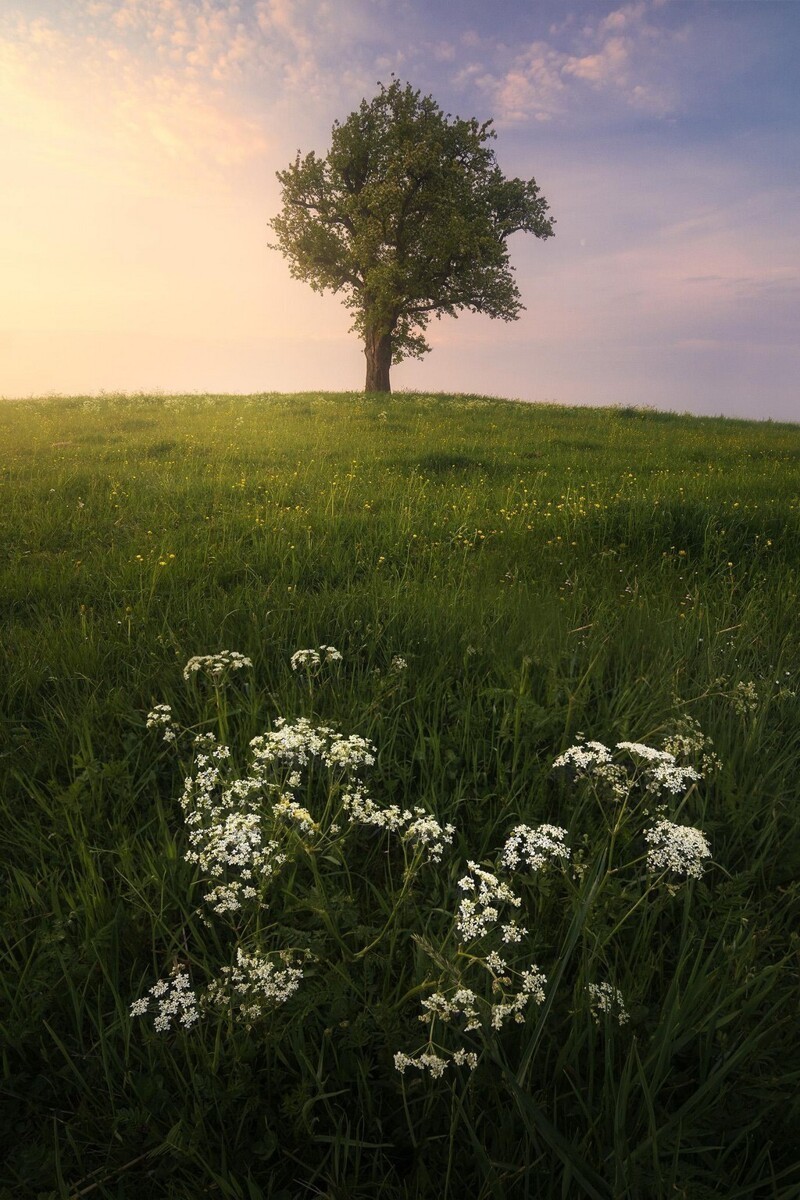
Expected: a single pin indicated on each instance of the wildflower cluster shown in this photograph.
(303, 792)
(215, 666)
(604, 999)
(744, 698)
(592, 760)
(677, 848)
(255, 983)
(243, 828)
(662, 772)
(535, 846)
(228, 830)
(490, 978)
(687, 741)
(656, 770)
(414, 825)
(434, 1063)
(160, 717)
(479, 909)
(175, 1002)
(656, 773)
(310, 661)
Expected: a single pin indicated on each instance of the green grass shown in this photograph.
(545, 571)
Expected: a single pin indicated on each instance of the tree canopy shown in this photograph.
(407, 215)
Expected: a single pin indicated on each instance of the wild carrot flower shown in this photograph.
(160, 717)
(425, 831)
(433, 1063)
(593, 760)
(347, 753)
(463, 1002)
(294, 814)
(255, 983)
(661, 771)
(583, 756)
(744, 698)
(361, 809)
(175, 1001)
(305, 660)
(534, 846)
(311, 660)
(514, 1003)
(687, 740)
(603, 998)
(292, 744)
(677, 848)
(479, 910)
(215, 665)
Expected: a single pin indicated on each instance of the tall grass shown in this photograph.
(545, 572)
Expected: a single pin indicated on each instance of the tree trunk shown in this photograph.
(378, 349)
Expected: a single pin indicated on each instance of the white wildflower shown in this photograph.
(496, 964)
(362, 810)
(661, 773)
(512, 932)
(160, 717)
(744, 698)
(463, 1002)
(348, 753)
(593, 760)
(583, 756)
(230, 847)
(175, 1003)
(425, 831)
(669, 777)
(603, 998)
(402, 1061)
(535, 846)
(305, 660)
(465, 1058)
(290, 811)
(428, 1061)
(290, 745)
(533, 981)
(678, 848)
(311, 660)
(476, 915)
(687, 739)
(649, 753)
(215, 665)
(514, 1004)
(255, 983)
(398, 664)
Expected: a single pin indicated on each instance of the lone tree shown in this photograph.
(408, 215)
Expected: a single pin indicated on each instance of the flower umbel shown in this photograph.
(605, 999)
(216, 665)
(677, 848)
(175, 1002)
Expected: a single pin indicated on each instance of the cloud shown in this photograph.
(163, 104)
(623, 57)
(198, 36)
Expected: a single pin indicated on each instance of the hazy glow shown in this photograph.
(140, 140)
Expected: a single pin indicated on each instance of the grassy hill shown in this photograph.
(506, 584)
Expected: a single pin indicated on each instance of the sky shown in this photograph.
(139, 141)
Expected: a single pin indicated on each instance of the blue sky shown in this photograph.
(141, 140)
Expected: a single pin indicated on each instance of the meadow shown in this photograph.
(475, 874)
